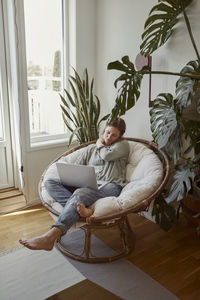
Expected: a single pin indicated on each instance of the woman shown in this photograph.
(109, 157)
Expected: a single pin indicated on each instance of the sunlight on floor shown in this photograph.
(21, 212)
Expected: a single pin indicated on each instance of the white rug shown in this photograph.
(35, 275)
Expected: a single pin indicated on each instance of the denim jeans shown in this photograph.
(69, 199)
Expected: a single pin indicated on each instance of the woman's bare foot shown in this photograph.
(43, 242)
(83, 211)
(38, 243)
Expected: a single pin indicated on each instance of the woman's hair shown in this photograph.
(120, 124)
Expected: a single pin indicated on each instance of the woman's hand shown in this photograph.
(100, 142)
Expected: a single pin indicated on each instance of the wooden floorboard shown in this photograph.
(8, 189)
(10, 194)
(23, 224)
(11, 199)
(172, 259)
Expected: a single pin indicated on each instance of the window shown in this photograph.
(44, 34)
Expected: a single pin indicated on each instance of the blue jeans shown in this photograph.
(69, 199)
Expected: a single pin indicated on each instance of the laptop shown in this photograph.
(77, 175)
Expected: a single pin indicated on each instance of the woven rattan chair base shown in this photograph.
(125, 232)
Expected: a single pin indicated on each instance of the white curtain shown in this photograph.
(13, 70)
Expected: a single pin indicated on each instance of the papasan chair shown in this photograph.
(147, 173)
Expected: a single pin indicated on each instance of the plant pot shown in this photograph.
(191, 207)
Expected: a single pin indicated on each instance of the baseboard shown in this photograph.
(33, 202)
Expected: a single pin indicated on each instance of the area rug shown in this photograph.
(119, 277)
(35, 275)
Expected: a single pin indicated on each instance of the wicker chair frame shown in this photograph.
(118, 219)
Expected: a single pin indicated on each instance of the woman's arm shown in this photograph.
(82, 158)
(113, 152)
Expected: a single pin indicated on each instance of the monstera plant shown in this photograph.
(175, 119)
(81, 109)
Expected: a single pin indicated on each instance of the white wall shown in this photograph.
(119, 27)
(36, 163)
(86, 36)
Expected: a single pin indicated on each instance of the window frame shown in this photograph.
(51, 139)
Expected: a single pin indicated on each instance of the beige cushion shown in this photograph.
(144, 173)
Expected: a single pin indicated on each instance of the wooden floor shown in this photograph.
(172, 259)
(11, 199)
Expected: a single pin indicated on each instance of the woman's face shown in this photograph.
(111, 135)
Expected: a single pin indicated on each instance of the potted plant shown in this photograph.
(175, 119)
(81, 109)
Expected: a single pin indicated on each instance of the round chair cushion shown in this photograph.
(144, 174)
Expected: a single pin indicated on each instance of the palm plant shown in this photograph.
(171, 124)
(81, 110)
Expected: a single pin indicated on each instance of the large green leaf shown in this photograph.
(175, 143)
(163, 119)
(129, 90)
(181, 183)
(165, 125)
(186, 86)
(159, 25)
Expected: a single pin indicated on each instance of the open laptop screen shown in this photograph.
(77, 175)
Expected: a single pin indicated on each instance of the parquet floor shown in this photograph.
(172, 259)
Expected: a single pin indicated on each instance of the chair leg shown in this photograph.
(87, 256)
(123, 235)
(128, 224)
(87, 244)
